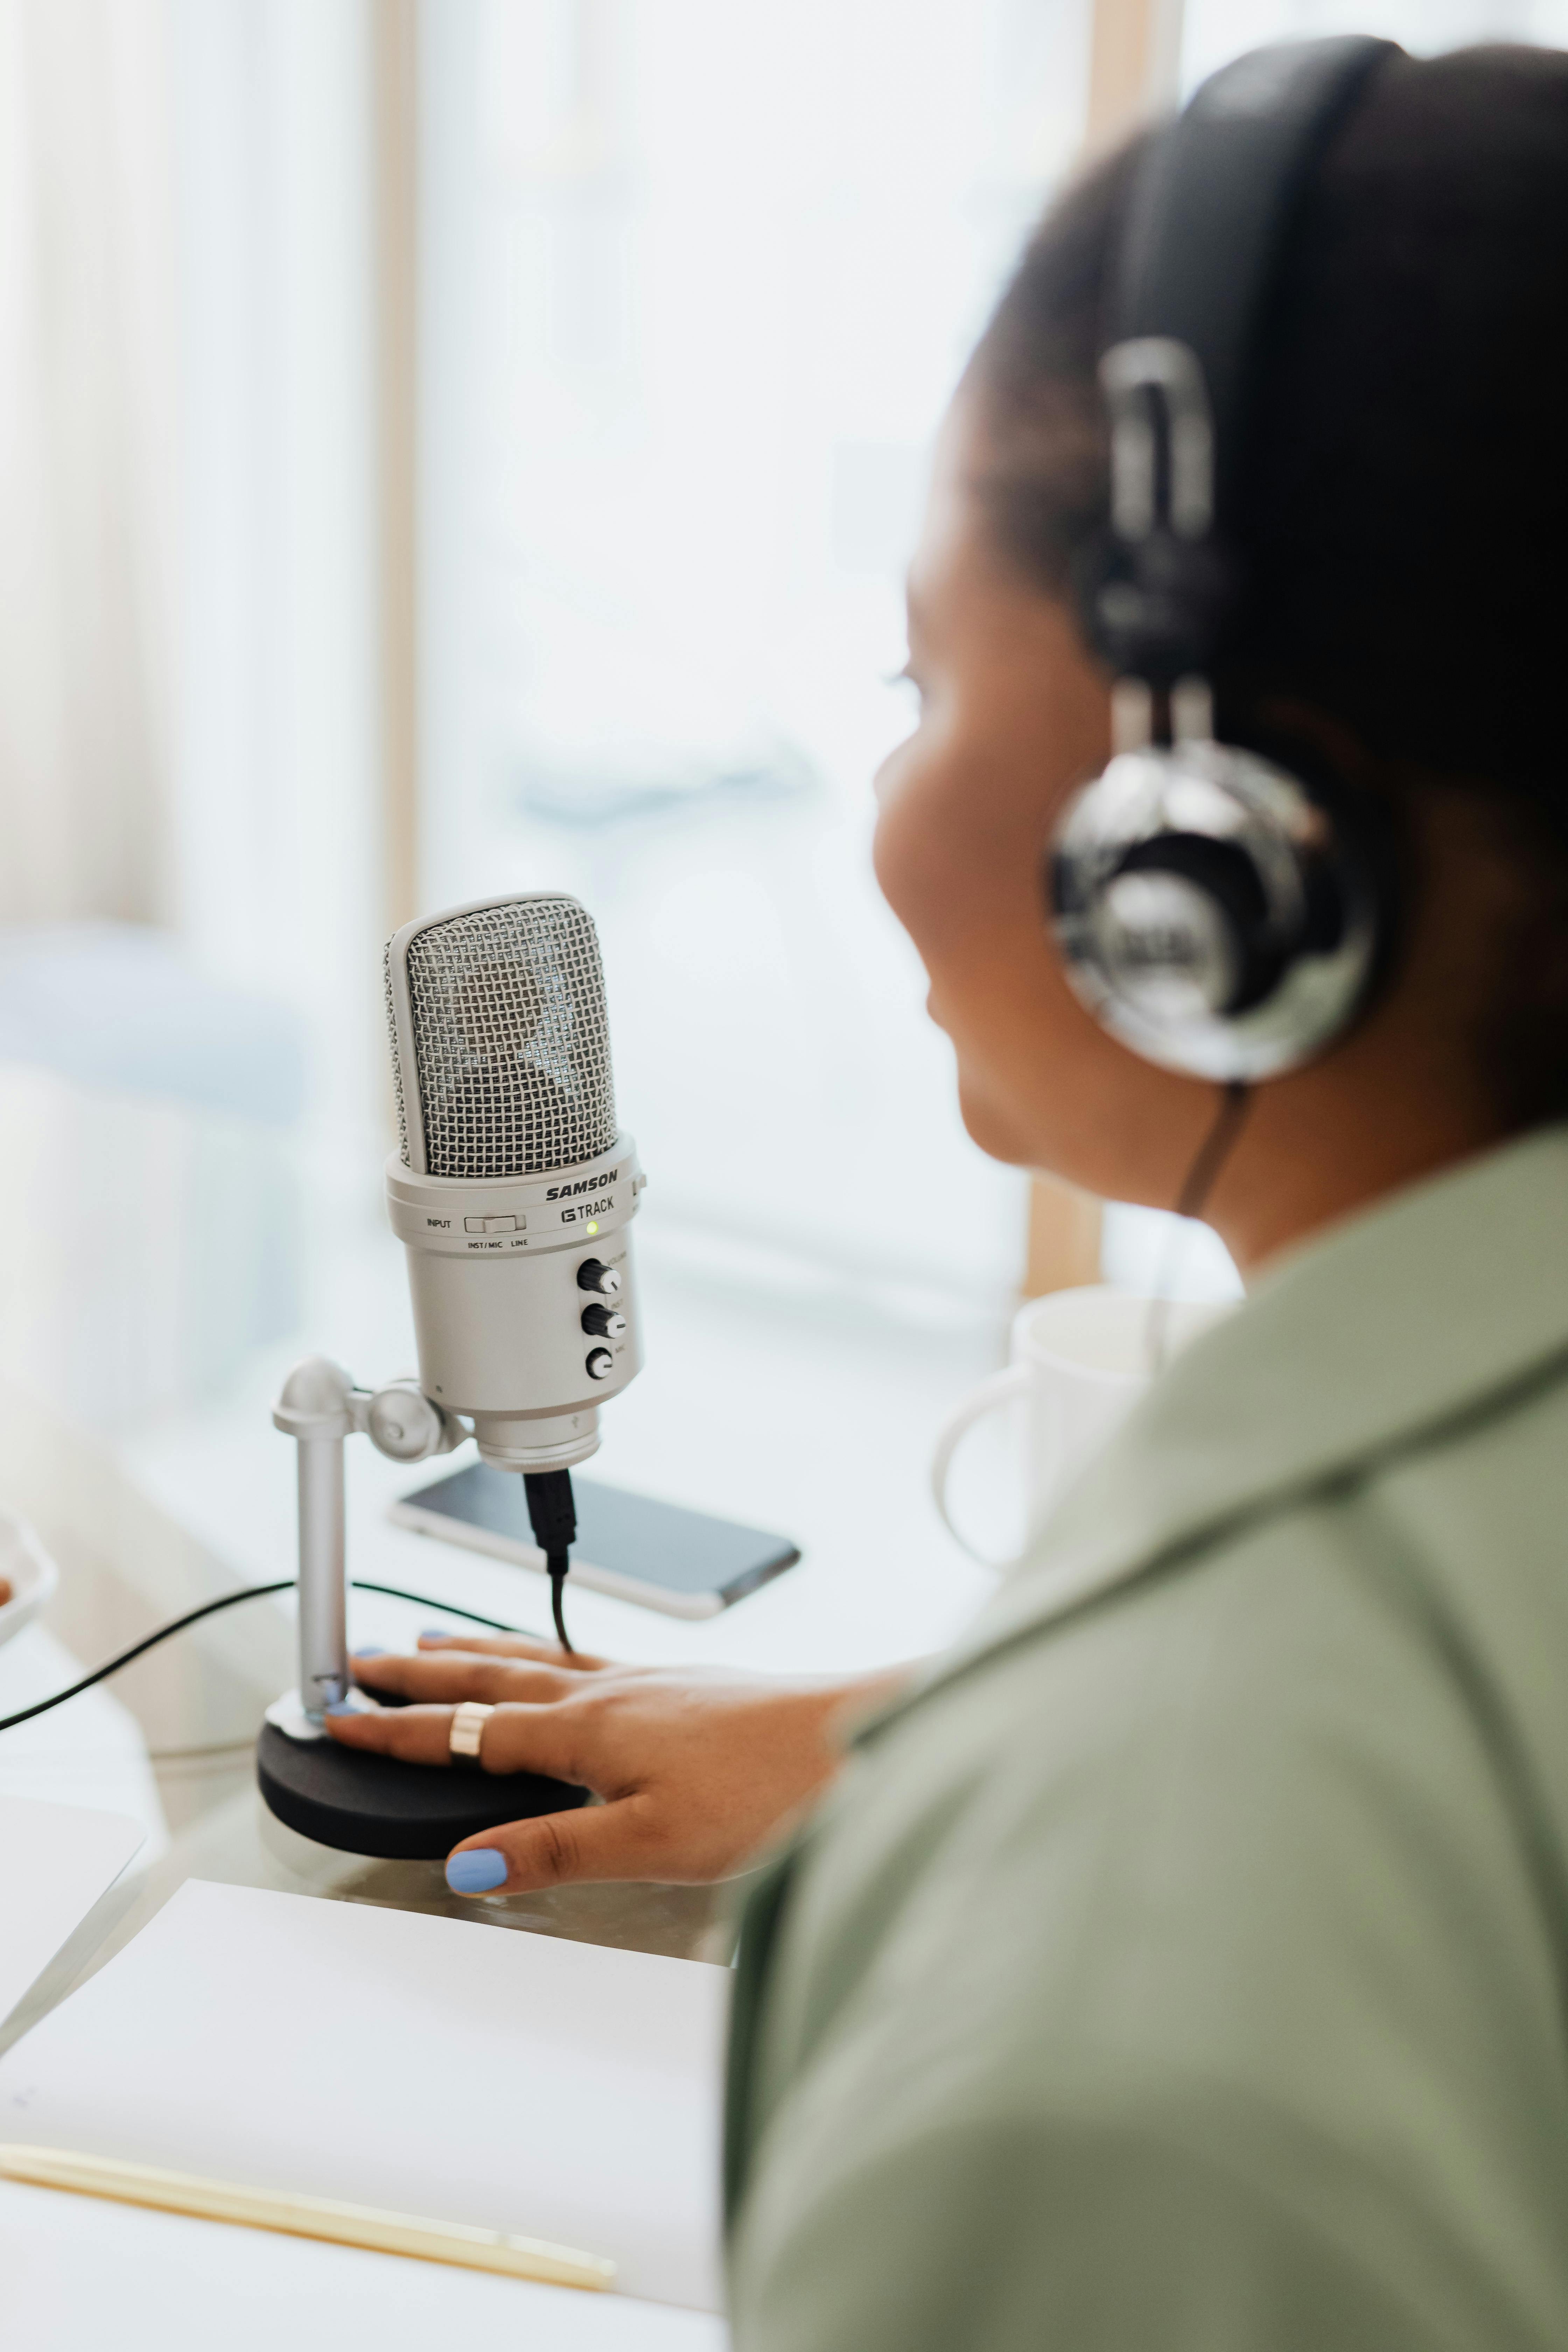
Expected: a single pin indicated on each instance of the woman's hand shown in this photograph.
(696, 1767)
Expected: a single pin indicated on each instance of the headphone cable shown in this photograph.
(230, 1601)
(1216, 1148)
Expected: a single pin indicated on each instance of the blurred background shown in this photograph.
(453, 445)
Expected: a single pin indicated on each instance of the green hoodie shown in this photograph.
(1183, 1966)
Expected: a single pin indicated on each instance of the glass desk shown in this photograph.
(820, 1427)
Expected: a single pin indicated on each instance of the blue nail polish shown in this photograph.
(338, 1706)
(477, 1872)
(370, 1652)
(434, 1633)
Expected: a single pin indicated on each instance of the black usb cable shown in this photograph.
(553, 1514)
(255, 1593)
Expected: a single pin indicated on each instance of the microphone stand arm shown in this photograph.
(319, 1407)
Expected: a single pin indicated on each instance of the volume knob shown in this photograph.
(604, 1279)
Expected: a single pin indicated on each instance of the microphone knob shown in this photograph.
(592, 1276)
(601, 1364)
(604, 1322)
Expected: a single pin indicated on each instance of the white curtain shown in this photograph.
(87, 375)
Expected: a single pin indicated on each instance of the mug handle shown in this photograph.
(1002, 1388)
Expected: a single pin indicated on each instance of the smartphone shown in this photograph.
(683, 1562)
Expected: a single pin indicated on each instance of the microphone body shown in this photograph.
(513, 1190)
(499, 1314)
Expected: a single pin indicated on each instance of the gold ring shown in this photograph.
(468, 1729)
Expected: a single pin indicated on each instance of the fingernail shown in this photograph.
(371, 1652)
(434, 1633)
(338, 1706)
(477, 1872)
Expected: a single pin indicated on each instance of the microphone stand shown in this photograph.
(351, 1798)
(319, 1407)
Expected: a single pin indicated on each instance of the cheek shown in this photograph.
(903, 856)
(960, 855)
(937, 850)
(955, 862)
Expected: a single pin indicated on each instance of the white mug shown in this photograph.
(1080, 1361)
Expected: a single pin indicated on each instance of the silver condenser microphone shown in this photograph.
(512, 1188)
(513, 1193)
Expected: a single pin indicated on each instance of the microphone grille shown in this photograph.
(512, 1046)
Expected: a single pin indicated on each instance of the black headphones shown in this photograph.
(1216, 910)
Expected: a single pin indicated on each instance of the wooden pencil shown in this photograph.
(305, 2217)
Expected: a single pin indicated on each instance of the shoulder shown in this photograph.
(1317, 1674)
(1212, 1897)
(1340, 1711)
(1235, 1863)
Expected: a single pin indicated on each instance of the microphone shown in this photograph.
(512, 1189)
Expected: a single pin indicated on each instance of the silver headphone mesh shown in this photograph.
(510, 1043)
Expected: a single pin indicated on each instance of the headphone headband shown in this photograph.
(1213, 205)
(1210, 212)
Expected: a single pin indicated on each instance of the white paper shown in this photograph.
(56, 1863)
(454, 2072)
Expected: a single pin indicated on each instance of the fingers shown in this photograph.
(460, 1673)
(515, 1645)
(495, 1645)
(515, 1739)
(598, 1841)
(418, 1735)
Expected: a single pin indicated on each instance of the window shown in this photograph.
(700, 280)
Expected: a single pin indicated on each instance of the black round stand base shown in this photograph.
(401, 1812)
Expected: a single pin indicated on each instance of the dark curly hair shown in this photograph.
(1403, 514)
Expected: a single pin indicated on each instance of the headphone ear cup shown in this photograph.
(1372, 860)
(1213, 913)
(1227, 877)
